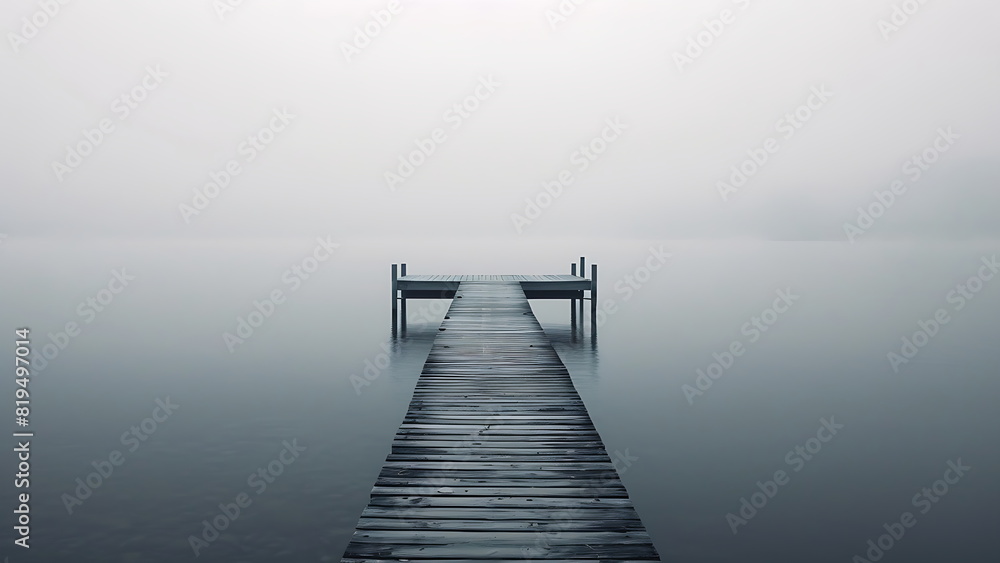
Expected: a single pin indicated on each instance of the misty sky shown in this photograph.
(555, 82)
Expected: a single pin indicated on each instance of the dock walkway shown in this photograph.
(497, 458)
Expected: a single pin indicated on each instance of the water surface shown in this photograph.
(690, 462)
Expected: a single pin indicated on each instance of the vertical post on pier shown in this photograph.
(583, 274)
(593, 299)
(394, 313)
(402, 300)
(572, 300)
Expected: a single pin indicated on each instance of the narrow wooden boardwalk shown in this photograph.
(497, 458)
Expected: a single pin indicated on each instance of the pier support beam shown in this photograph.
(402, 300)
(395, 315)
(593, 299)
(583, 274)
(572, 301)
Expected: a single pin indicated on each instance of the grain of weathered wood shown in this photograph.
(503, 514)
(455, 482)
(542, 548)
(490, 537)
(603, 525)
(470, 491)
(497, 458)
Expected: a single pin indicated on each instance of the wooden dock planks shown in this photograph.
(497, 458)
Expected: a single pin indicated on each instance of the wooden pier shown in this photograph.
(497, 458)
(548, 286)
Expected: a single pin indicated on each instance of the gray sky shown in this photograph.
(554, 89)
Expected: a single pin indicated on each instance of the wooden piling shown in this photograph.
(395, 279)
(593, 298)
(572, 301)
(402, 299)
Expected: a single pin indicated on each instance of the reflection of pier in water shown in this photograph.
(497, 457)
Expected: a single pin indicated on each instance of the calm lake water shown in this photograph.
(692, 462)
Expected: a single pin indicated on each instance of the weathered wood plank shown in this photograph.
(503, 428)
(497, 433)
(482, 474)
(442, 437)
(554, 525)
(497, 538)
(497, 465)
(488, 458)
(456, 482)
(499, 502)
(494, 449)
(524, 491)
(526, 514)
(537, 550)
